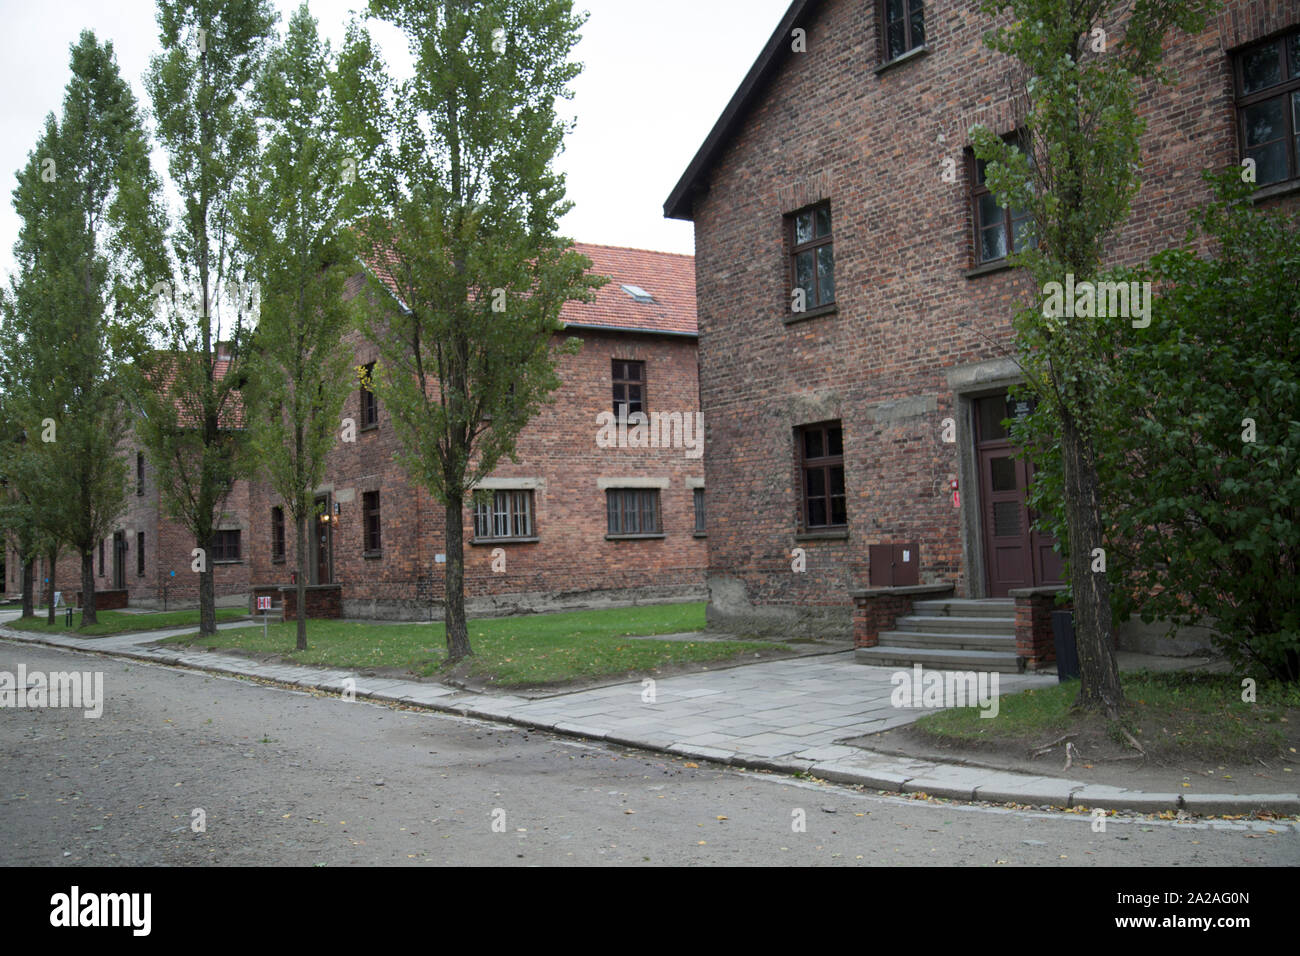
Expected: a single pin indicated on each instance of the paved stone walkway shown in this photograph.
(781, 715)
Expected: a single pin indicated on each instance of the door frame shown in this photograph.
(985, 452)
(968, 383)
(317, 525)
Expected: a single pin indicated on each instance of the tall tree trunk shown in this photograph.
(88, 589)
(1094, 631)
(54, 557)
(207, 593)
(302, 583)
(457, 627)
(29, 585)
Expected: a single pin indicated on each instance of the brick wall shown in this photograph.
(571, 564)
(829, 127)
(168, 548)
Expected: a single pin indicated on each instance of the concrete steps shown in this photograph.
(950, 635)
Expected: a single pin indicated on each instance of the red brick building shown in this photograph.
(580, 521)
(841, 168)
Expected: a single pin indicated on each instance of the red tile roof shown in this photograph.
(668, 277)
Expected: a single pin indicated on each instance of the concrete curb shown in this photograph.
(885, 772)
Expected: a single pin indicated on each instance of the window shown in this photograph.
(699, 511)
(370, 516)
(638, 294)
(629, 388)
(225, 546)
(139, 473)
(277, 534)
(1268, 107)
(369, 404)
(998, 231)
(813, 258)
(902, 26)
(821, 464)
(139, 553)
(101, 557)
(503, 514)
(633, 510)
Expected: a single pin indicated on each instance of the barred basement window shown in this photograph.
(225, 546)
(1267, 79)
(503, 514)
(370, 512)
(277, 534)
(633, 511)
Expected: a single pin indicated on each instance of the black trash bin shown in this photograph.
(1067, 652)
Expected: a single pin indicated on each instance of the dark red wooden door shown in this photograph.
(1015, 554)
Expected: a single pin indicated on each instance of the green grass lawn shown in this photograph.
(1171, 713)
(120, 622)
(514, 651)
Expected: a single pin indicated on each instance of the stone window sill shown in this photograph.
(1284, 188)
(478, 542)
(372, 554)
(701, 534)
(634, 537)
(839, 534)
(790, 318)
(988, 268)
(916, 53)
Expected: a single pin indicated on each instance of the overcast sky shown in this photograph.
(657, 75)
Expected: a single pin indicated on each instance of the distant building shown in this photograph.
(580, 521)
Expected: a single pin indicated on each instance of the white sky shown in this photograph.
(657, 75)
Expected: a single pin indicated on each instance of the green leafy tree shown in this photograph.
(192, 415)
(91, 234)
(1201, 453)
(1077, 175)
(299, 368)
(38, 293)
(459, 209)
(20, 510)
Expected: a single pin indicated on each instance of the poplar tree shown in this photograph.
(459, 211)
(91, 234)
(299, 368)
(192, 413)
(1080, 66)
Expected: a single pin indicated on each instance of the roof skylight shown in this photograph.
(638, 293)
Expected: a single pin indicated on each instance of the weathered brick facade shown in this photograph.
(571, 563)
(168, 578)
(917, 333)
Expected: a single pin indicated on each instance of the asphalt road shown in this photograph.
(284, 777)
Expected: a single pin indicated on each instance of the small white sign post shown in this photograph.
(264, 604)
